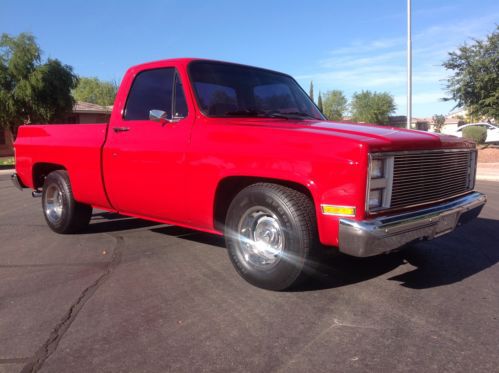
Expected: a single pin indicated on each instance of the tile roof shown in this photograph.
(87, 107)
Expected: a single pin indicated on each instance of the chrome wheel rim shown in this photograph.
(53, 203)
(261, 238)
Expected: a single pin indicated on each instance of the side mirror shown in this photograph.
(158, 116)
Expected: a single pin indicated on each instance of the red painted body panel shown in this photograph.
(76, 147)
(170, 173)
(145, 167)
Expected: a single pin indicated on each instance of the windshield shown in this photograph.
(230, 90)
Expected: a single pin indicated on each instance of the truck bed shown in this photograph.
(78, 146)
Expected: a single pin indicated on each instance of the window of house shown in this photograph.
(73, 119)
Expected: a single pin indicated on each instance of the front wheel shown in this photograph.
(270, 230)
(62, 213)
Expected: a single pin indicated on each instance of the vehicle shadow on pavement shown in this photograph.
(192, 235)
(452, 258)
(106, 222)
(445, 260)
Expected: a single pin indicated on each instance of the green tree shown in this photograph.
(438, 121)
(95, 91)
(319, 103)
(31, 91)
(477, 134)
(474, 83)
(372, 107)
(335, 105)
(311, 90)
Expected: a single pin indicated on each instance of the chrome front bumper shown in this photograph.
(379, 235)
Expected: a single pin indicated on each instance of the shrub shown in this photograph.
(477, 134)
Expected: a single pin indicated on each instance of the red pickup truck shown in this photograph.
(243, 152)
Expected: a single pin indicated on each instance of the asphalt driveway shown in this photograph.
(129, 295)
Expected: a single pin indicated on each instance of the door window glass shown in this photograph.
(180, 106)
(151, 89)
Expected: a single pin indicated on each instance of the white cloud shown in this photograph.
(358, 46)
(356, 60)
(421, 98)
(380, 64)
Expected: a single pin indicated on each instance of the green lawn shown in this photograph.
(6, 161)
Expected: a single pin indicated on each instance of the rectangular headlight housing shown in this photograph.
(375, 198)
(472, 170)
(379, 182)
(377, 168)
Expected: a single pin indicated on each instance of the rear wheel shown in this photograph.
(62, 213)
(270, 231)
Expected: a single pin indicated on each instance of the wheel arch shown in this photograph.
(230, 186)
(41, 170)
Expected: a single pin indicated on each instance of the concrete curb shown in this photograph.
(8, 171)
(487, 178)
(487, 171)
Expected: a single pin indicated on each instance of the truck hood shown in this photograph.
(375, 137)
(384, 138)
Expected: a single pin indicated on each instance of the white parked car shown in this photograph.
(492, 131)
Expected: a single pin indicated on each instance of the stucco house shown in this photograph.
(83, 112)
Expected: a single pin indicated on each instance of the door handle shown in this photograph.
(121, 129)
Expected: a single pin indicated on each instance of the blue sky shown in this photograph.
(348, 45)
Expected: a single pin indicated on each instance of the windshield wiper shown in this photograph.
(275, 114)
(244, 113)
(299, 114)
(254, 113)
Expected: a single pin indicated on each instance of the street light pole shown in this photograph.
(409, 66)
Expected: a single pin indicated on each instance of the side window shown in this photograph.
(151, 89)
(180, 106)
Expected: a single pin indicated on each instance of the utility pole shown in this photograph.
(409, 66)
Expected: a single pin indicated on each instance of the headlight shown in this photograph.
(380, 179)
(472, 170)
(377, 166)
(375, 197)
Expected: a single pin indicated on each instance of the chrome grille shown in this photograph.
(423, 177)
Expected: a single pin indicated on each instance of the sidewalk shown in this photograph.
(488, 171)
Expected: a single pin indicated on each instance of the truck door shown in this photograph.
(143, 159)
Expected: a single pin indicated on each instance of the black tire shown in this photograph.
(62, 213)
(284, 220)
